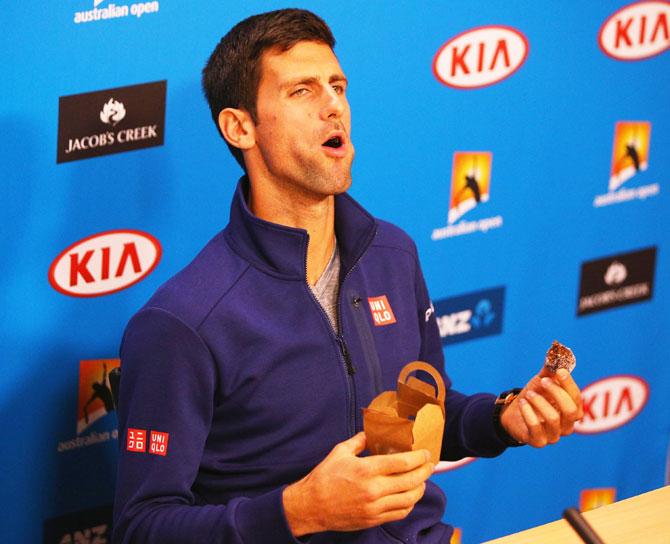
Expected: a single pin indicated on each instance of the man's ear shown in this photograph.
(237, 128)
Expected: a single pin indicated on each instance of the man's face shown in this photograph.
(304, 120)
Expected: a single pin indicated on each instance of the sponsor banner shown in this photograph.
(617, 280)
(596, 497)
(91, 526)
(630, 157)
(480, 57)
(612, 402)
(94, 404)
(470, 188)
(471, 315)
(111, 121)
(636, 31)
(110, 10)
(95, 393)
(630, 151)
(105, 263)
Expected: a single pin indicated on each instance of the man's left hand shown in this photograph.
(546, 409)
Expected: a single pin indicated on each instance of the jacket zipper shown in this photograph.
(367, 342)
(343, 345)
(348, 365)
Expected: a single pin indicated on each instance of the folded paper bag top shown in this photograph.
(411, 418)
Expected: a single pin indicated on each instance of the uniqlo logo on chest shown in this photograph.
(382, 314)
(159, 443)
(136, 440)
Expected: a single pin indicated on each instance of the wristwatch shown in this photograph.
(505, 399)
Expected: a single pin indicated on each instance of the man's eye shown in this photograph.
(300, 92)
(339, 89)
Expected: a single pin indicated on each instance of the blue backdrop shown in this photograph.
(545, 133)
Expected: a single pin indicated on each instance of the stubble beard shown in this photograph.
(333, 181)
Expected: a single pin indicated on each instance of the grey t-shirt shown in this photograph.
(327, 287)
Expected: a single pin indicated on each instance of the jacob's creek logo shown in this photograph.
(630, 156)
(382, 314)
(470, 188)
(636, 31)
(612, 402)
(105, 263)
(91, 526)
(480, 57)
(111, 121)
(616, 281)
(471, 315)
(94, 403)
(595, 498)
(109, 10)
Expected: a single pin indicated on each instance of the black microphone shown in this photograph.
(581, 526)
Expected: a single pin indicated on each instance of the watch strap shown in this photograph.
(505, 399)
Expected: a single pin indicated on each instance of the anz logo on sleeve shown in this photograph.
(471, 315)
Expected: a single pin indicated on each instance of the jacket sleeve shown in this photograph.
(168, 385)
(469, 429)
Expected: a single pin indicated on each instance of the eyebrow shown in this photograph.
(313, 79)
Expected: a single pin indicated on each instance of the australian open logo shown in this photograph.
(103, 10)
(95, 404)
(471, 315)
(470, 191)
(630, 159)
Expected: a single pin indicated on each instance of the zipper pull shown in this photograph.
(345, 353)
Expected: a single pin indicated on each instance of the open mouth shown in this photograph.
(335, 142)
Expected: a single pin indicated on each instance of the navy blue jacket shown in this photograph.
(234, 384)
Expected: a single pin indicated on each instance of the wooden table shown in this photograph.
(644, 519)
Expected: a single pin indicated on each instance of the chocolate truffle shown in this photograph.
(559, 356)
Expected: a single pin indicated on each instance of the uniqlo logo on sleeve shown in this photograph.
(159, 443)
(382, 314)
(136, 440)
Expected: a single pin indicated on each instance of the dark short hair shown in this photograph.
(231, 76)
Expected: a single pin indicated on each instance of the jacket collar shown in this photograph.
(282, 250)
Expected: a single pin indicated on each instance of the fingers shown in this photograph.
(401, 501)
(399, 483)
(547, 415)
(353, 446)
(536, 435)
(566, 406)
(395, 463)
(566, 382)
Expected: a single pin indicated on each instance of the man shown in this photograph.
(250, 367)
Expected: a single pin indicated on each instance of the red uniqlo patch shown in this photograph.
(382, 314)
(159, 443)
(136, 440)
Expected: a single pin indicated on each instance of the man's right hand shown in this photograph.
(346, 492)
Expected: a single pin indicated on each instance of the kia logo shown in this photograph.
(480, 57)
(105, 263)
(612, 402)
(637, 31)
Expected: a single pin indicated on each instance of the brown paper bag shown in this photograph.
(411, 418)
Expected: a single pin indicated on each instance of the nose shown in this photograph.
(334, 105)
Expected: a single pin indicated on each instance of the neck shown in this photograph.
(294, 208)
